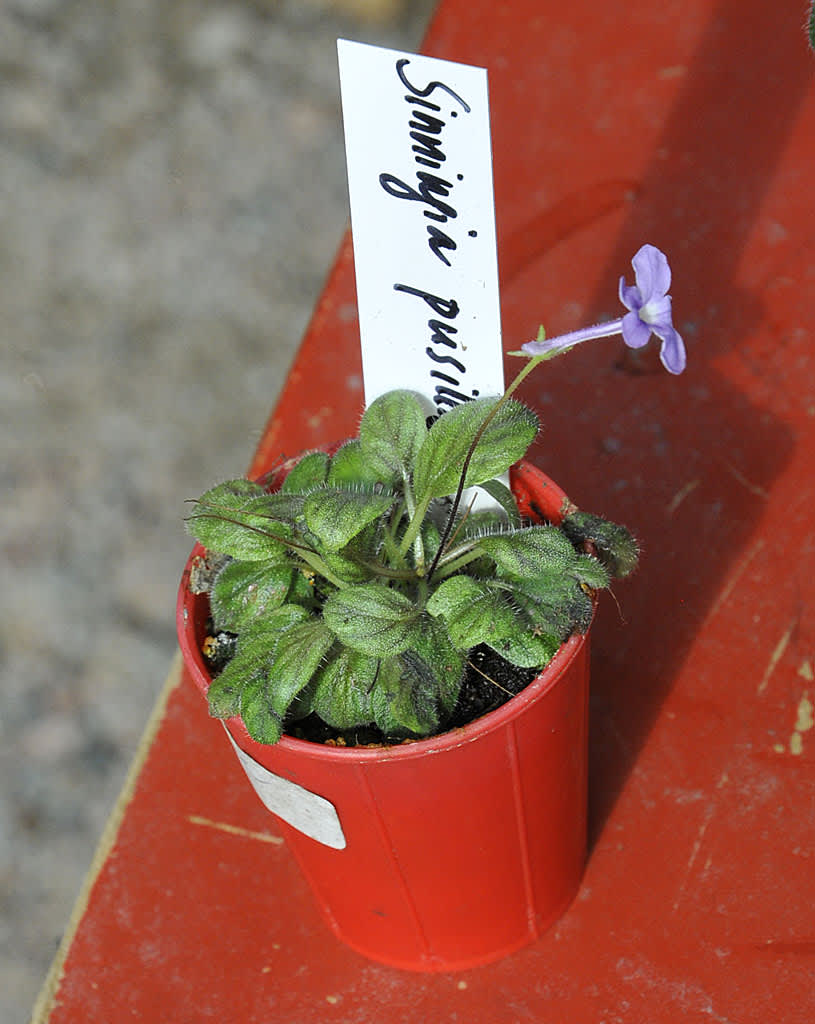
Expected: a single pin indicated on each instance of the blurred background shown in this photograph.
(172, 192)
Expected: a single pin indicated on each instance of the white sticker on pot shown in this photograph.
(305, 811)
(417, 143)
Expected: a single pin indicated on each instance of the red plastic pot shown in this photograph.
(451, 851)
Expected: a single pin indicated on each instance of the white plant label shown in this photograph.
(417, 142)
(305, 811)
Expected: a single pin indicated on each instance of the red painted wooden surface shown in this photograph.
(689, 124)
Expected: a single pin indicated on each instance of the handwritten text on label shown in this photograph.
(420, 182)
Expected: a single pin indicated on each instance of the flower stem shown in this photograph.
(418, 546)
(448, 565)
(551, 346)
(414, 526)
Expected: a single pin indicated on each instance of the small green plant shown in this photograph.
(358, 589)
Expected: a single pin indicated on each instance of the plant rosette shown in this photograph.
(355, 591)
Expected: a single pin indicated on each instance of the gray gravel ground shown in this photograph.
(172, 191)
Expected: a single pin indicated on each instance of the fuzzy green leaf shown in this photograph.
(556, 604)
(440, 460)
(284, 508)
(528, 553)
(262, 722)
(481, 523)
(481, 611)
(372, 619)
(342, 694)
(235, 519)
(435, 647)
(243, 591)
(336, 515)
(253, 656)
(475, 611)
(347, 569)
(431, 538)
(224, 693)
(404, 698)
(591, 572)
(615, 546)
(391, 432)
(258, 641)
(528, 649)
(544, 567)
(310, 471)
(229, 489)
(297, 656)
(350, 466)
(503, 495)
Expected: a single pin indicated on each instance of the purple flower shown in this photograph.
(649, 308)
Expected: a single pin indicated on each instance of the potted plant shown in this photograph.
(346, 615)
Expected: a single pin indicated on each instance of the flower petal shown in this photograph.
(630, 295)
(672, 351)
(635, 332)
(652, 273)
(657, 312)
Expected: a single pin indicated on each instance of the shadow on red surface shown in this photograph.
(663, 439)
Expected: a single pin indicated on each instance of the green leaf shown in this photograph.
(372, 619)
(404, 698)
(526, 554)
(244, 591)
(615, 546)
(336, 515)
(346, 569)
(262, 722)
(224, 693)
(297, 656)
(350, 466)
(391, 432)
(440, 460)
(229, 489)
(527, 649)
(503, 495)
(309, 472)
(481, 611)
(285, 508)
(342, 695)
(253, 658)
(431, 538)
(555, 603)
(257, 642)
(435, 647)
(481, 523)
(590, 571)
(547, 577)
(475, 611)
(235, 519)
